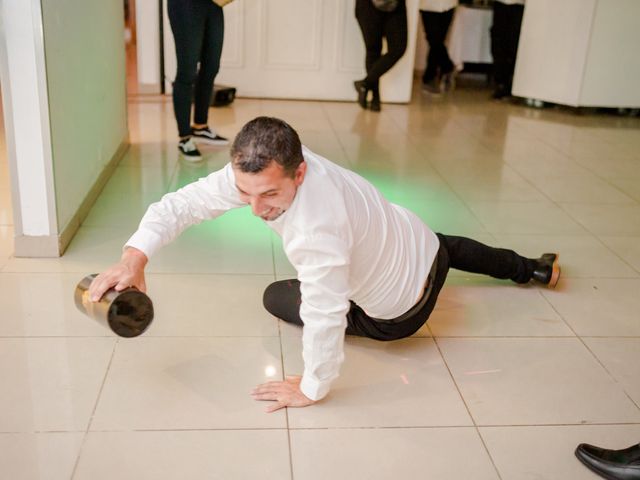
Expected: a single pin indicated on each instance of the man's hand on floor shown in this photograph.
(285, 394)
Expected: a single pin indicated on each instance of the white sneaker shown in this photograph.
(208, 136)
(188, 150)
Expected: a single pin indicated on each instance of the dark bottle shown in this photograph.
(127, 313)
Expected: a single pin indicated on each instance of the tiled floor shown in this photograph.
(502, 383)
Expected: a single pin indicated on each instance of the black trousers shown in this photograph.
(282, 299)
(505, 34)
(436, 25)
(198, 32)
(375, 26)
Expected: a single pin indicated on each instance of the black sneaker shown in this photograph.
(188, 150)
(206, 135)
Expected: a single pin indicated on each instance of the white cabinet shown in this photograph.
(580, 53)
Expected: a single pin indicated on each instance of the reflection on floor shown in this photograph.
(503, 381)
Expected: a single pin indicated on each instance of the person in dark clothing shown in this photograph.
(436, 19)
(198, 32)
(376, 25)
(505, 34)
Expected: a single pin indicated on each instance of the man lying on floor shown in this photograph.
(365, 266)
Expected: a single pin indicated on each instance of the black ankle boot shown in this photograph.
(547, 269)
(362, 90)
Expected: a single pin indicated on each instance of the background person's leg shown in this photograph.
(209, 61)
(187, 26)
(370, 21)
(475, 257)
(499, 49)
(436, 25)
(395, 31)
(512, 34)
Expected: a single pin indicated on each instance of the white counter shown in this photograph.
(580, 53)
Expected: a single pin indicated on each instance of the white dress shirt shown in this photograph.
(438, 5)
(344, 239)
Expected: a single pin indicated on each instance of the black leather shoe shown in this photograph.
(611, 464)
(547, 269)
(361, 88)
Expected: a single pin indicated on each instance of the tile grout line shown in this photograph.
(475, 425)
(95, 406)
(581, 339)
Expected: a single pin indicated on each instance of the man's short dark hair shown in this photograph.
(264, 140)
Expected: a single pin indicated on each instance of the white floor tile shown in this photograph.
(210, 305)
(628, 248)
(188, 383)
(37, 304)
(523, 453)
(167, 455)
(39, 456)
(531, 218)
(621, 357)
(385, 453)
(598, 307)
(382, 384)
(473, 310)
(51, 384)
(528, 381)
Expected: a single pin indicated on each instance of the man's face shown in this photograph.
(269, 192)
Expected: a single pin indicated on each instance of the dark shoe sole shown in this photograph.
(210, 141)
(555, 272)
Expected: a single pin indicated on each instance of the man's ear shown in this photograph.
(300, 172)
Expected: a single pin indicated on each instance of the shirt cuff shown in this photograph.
(314, 389)
(145, 241)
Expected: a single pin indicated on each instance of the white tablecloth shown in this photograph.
(469, 37)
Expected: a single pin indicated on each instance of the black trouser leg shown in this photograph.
(475, 257)
(282, 299)
(209, 62)
(436, 25)
(375, 25)
(505, 34)
(370, 21)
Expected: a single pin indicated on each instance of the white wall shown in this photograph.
(63, 74)
(26, 118)
(85, 61)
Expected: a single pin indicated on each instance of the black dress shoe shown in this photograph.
(547, 269)
(611, 464)
(362, 90)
